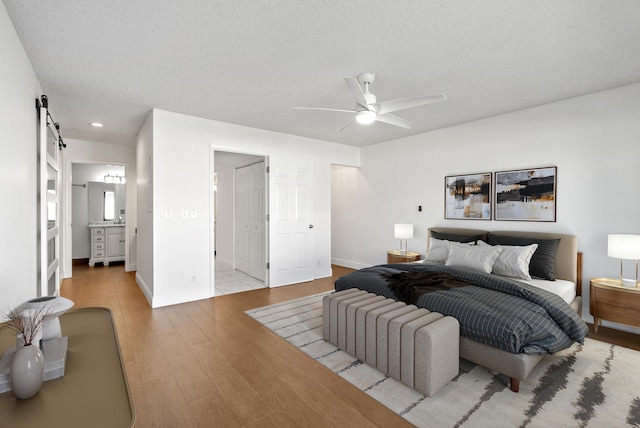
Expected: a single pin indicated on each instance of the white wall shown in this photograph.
(18, 121)
(594, 141)
(224, 211)
(182, 174)
(79, 151)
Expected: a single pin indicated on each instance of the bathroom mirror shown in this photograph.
(106, 202)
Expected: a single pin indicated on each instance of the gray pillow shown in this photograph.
(456, 238)
(543, 259)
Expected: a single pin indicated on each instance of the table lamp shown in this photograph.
(403, 232)
(625, 247)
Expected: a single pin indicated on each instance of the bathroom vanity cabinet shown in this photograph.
(107, 243)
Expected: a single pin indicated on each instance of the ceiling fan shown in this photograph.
(369, 110)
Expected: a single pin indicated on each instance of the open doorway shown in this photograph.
(98, 214)
(239, 222)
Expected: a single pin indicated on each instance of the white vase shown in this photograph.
(27, 371)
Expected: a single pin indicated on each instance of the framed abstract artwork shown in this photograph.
(468, 196)
(526, 194)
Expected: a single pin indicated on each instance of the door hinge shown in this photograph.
(267, 217)
(268, 267)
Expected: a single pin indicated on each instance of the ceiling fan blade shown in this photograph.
(325, 109)
(391, 106)
(357, 93)
(347, 124)
(394, 120)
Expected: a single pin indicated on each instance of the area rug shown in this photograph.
(592, 385)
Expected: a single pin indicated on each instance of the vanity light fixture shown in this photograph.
(96, 124)
(625, 247)
(118, 179)
(403, 232)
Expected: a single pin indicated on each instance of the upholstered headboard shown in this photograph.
(568, 263)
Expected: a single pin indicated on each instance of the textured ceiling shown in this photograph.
(249, 61)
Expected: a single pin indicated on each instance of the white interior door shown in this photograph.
(290, 227)
(250, 220)
(48, 207)
(257, 218)
(242, 219)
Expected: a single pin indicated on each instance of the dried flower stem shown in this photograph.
(28, 322)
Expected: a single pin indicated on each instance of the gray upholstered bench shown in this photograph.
(414, 346)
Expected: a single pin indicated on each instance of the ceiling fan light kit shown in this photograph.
(365, 117)
(368, 110)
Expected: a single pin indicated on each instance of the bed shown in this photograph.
(508, 324)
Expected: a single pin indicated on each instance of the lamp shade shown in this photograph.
(403, 231)
(624, 246)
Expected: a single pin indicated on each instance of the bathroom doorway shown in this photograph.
(98, 198)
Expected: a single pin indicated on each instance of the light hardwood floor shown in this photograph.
(207, 364)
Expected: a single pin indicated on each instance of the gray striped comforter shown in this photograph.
(497, 311)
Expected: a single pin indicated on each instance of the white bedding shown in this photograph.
(561, 287)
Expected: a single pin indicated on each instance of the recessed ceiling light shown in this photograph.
(96, 124)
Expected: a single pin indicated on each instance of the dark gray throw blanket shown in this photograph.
(497, 311)
(410, 286)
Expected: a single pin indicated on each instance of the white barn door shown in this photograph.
(48, 206)
(290, 227)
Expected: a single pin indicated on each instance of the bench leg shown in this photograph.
(515, 384)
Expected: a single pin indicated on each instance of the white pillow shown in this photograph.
(438, 251)
(473, 257)
(513, 261)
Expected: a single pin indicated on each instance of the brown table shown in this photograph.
(93, 392)
(396, 256)
(609, 300)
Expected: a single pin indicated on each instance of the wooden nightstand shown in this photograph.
(395, 256)
(610, 301)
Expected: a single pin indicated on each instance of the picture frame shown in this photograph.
(468, 197)
(526, 194)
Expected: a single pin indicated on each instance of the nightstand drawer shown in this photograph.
(613, 298)
(611, 302)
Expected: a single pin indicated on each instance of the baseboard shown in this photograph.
(348, 263)
(132, 267)
(80, 261)
(148, 294)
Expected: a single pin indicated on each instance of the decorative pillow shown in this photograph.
(473, 257)
(438, 251)
(543, 259)
(456, 238)
(513, 261)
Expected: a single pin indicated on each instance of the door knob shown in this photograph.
(310, 226)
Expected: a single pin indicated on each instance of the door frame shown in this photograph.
(66, 217)
(212, 223)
